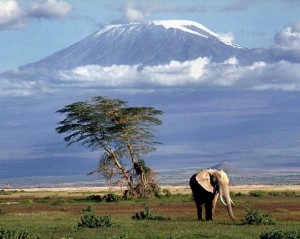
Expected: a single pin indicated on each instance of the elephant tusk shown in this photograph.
(232, 202)
(223, 200)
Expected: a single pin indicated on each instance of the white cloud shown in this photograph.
(50, 9)
(113, 76)
(287, 43)
(200, 72)
(173, 74)
(11, 15)
(133, 15)
(11, 88)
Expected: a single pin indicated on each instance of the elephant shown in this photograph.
(206, 186)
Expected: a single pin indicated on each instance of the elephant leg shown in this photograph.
(208, 211)
(199, 211)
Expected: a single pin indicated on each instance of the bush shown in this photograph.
(111, 197)
(94, 198)
(257, 193)
(3, 192)
(2, 212)
(239, 194)
(58, 202)
(91, 221)
(27, 202)
(87, 209)
(15, 234)
(256, 217)
(276, 234)
(167, 193)
(148, 215)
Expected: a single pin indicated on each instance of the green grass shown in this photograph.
(57, 217)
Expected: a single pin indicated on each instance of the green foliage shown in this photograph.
(287, 193)
(257, 193)
(16, 234)
(278, 234)
(27, 201)
(88, 209)
(166, 193)
(2, 212)
(91, 221)
(3, 192)
(148, 215)
(58, 202)
(111, 198)
(256, 217)
(239, 194)
(122, 133)
(94, 198)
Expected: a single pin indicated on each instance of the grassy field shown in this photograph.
(56, 214)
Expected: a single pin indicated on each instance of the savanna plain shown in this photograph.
(70, 212)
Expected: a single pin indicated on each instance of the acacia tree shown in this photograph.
(122, 134)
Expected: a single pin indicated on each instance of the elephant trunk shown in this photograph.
(225, 195)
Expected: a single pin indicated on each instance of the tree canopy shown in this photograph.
(121, 133)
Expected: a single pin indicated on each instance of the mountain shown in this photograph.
(226, 167)
(153, 43)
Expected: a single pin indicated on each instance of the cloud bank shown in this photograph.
(201, 72)
(12, 16)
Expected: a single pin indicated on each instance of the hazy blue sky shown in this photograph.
(33, 29)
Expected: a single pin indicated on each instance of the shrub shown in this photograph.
(239, 194)
(95, 198)
(277, 234)
(15, 234)
(87, 209)
(91, 221)
(2, 212)
(257, 193)
(111, 197)
(3, 192)
(148, 215)
(256, 217)
(27, 201)
(58, 202)
(167, 193)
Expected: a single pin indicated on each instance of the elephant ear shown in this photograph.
(203, 178)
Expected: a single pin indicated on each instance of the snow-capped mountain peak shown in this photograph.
(186, 25)
(152, 43)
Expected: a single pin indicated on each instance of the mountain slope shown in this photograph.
(154, 43)
(225, 166)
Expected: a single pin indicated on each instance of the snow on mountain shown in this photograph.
(193, 28)
(153, 43)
